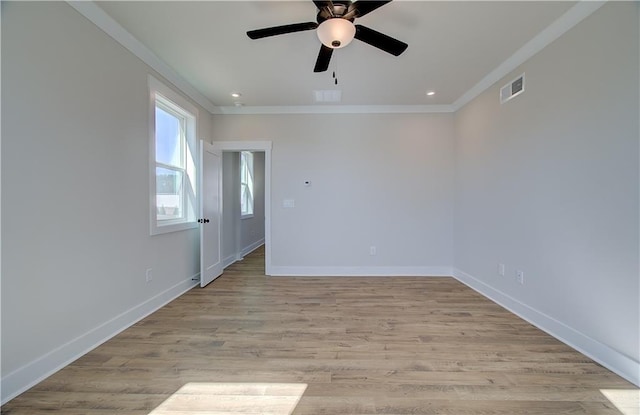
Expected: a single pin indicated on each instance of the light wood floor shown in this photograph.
(254, 344)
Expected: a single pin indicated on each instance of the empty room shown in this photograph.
(320, 207)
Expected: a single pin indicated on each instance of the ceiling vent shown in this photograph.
(329, 95)
(512, 89)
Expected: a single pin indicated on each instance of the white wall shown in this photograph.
(548, 184)
(381, 180)
(231, 207)
(75, 221)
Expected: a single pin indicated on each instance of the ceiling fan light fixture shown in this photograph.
(336, 33)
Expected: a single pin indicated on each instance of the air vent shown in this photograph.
(329, 95)
(512, 89)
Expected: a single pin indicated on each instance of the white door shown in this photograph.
(210, 213)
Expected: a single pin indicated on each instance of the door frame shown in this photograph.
(262, 146)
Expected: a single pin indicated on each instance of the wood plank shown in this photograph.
(254, 344)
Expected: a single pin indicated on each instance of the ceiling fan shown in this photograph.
(335, 29)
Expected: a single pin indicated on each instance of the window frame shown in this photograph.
(250, 185)
(173, 103)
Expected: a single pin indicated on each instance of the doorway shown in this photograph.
(243, 233)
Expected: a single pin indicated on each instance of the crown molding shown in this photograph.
(573, 16)
(563, 24)
(338, 109)
(107, 24)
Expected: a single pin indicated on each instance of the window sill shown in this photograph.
(246, 216)
(172, 227)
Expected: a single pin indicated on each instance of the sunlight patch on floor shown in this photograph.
(627, 401)
(199, 398)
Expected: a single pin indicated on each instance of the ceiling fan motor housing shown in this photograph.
(338, 10)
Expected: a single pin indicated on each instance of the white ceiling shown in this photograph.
(453, 45)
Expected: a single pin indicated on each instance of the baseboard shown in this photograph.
(33, 373)
(231, 259)
(249, 249)
(280, 271)
(599, 352)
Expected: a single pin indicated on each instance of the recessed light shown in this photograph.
(236, 94)
(430, 93)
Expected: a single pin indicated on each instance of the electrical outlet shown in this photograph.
(372, 251)
(501, 269)
(149, 275)
(520, 277)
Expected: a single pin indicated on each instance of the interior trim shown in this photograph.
(107, 24)
(399, 271)
(29, 375)
(338, 109)
(608, 357)
(564, 23)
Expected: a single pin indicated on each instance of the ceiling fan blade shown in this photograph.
(380, 40)
(323, 4)
(281, 30)
(324, 57)
(363, 7)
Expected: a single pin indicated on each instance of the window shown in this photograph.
(246, 184)
(173, 172)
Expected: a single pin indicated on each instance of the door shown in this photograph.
(210, 213)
